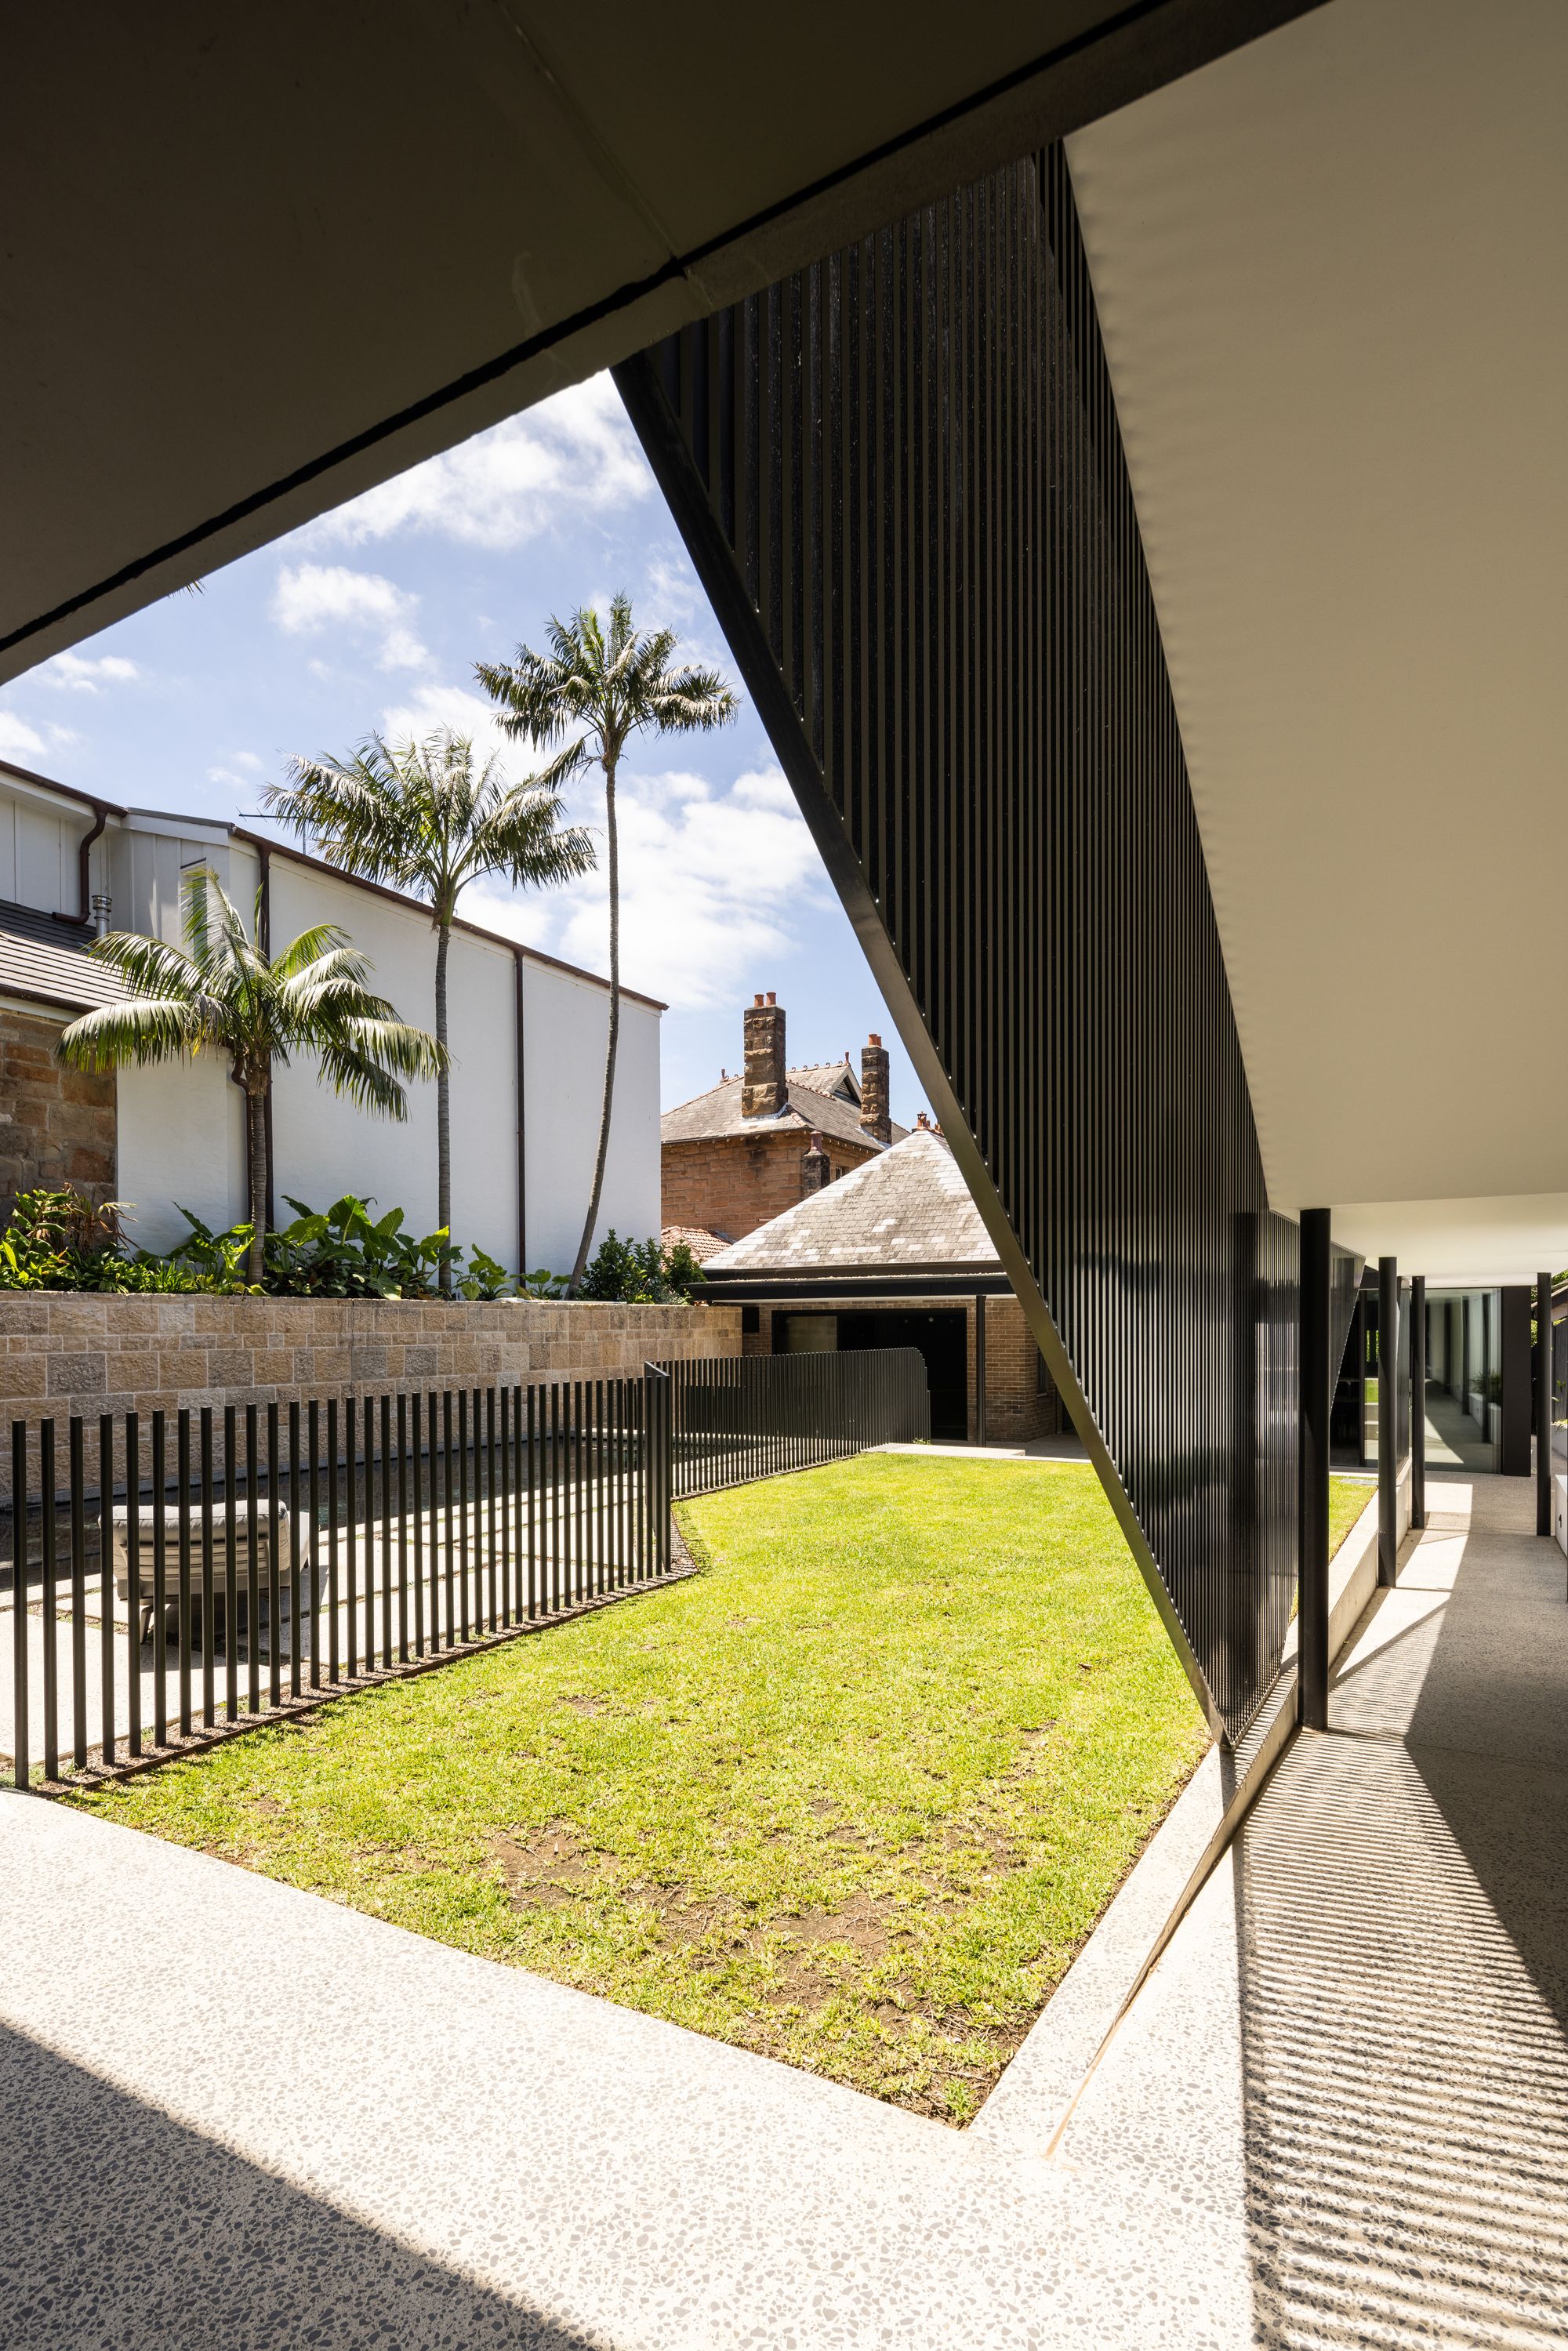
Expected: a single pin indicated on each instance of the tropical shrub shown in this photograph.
(344, 1251)
(641, 1273)
(58, 1240)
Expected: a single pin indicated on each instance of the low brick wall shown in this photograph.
(62, 1354)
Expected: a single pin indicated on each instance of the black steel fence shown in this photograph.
(174, 1577)
(736, 1417)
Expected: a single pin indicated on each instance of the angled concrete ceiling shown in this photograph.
(258, 258)
(1330, 270)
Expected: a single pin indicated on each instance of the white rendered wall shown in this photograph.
(182, 1129)
(181, 1140)
(40, 841)
(148, 863)
(565, 1026)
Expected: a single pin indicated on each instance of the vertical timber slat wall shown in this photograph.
(901, 478)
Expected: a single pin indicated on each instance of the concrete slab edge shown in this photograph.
(1030, 2106)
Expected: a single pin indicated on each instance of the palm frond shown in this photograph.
(365, 1083)
(349, 810)
(522, 835)
(322, 942)
(151, 966)
(147, 1028)
(397, 1045)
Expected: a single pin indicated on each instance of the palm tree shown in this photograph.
(610, 687)
(425, 817)
(223, 994)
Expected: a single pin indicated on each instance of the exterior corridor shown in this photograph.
(1351, 2067)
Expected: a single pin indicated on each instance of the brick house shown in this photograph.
(755, 1144)
(895, 1255)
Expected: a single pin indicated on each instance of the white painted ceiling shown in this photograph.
(1331, 271)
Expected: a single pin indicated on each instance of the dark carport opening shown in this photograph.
(941, 1336)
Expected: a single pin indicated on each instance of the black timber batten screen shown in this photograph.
(901, 478)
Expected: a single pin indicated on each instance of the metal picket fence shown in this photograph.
(736, 1417)
(175, 1577)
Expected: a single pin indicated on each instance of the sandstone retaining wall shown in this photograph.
(63, 1354)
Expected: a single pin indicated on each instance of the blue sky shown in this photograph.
(372, 618)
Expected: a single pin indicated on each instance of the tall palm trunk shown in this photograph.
(442, 1105)
(578, 1270)
(256, 1123)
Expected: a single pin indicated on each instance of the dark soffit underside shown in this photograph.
(257, 260)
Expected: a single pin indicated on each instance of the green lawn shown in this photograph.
(852, 1797)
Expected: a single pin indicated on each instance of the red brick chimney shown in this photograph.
(875, 1118)
(815, 1169)
(762, 1087)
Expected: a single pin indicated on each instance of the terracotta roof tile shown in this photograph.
(703, 1240)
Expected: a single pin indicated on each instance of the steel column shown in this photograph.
(1543, 1403)
(1387, 1419)
(979, 1367)
(1419, 1401)
(1316, 1375)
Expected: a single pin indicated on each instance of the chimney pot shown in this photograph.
(875, 1119)
(771, 997)
(815, 1170)
(763, 1090)
(873, 1039)
(758, 997)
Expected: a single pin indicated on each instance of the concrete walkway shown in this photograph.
(1337, 2113)
(1351, 2067)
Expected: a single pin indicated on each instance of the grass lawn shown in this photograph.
(852, 1797)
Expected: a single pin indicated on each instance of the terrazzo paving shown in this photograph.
(1351, 2067)
(1337, 2111)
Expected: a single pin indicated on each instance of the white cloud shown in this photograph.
(711, 884)
(17, 739)
(84, 674)
(310, 597)
(462, 711)
(572, 455)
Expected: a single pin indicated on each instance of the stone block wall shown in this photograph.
(733, 1183)
(56, 1126)
(64, 1354)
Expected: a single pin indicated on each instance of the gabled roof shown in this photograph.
(907, 1207)
(805, 1110)
(47, 961)
(828, 1077)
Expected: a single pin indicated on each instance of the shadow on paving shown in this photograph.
(119, 2226)
(1402, 1926)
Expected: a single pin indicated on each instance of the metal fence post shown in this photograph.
(659, 1420)
(1387, 1419)
(1419, 1401)
(1316, 1399)
(1543, 1403)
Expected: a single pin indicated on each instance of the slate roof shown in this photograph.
(907, 1207)
(47, 961)
(828, 1077)
(718, 1113)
